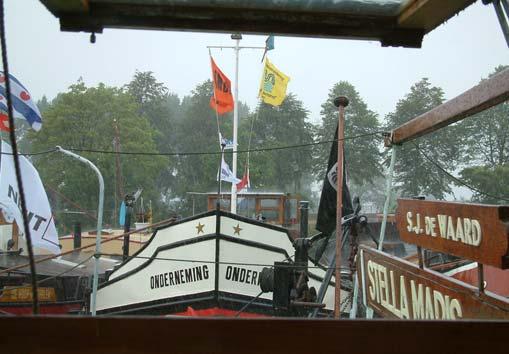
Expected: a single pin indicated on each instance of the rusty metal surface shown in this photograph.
(396, 288)
(453, 228)
(340, 102)
(487, 94)
(334, 19)
(79, 335)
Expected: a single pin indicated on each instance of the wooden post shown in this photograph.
(341, 102)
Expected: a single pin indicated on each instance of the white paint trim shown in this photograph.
(464, 268)
(67, 263)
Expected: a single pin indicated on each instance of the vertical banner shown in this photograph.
(40, 219)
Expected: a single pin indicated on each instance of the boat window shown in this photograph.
(269, 203)
(246, 206)
(270, 215)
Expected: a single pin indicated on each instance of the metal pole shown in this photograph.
(353, 311)
(129, 202)
(304, 212)
(480, 277)
(501, 18)
(233, 204)
(388, 192)
(218, 201)
(99, 224)
(341, 102)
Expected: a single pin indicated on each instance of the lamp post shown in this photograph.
(99, 223)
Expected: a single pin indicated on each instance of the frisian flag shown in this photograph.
(326, 219)
(222, 99)
(22, 104)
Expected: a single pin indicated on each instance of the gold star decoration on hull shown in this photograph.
(199, 228)
(237, 230)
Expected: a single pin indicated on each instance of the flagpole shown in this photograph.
(341, 102)
(233, 202)
(237, 37)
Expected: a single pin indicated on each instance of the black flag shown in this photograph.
(326, 220)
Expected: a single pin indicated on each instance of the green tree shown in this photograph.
(490, 182)
(197, 132)
(284, 170)
(82, 118)
(362, 155)
(415, 174)
(486, 145)
(162, 109)
(145, 89)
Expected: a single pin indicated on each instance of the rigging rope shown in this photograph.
(51, 277)
(504, 198)
(141, 153)
(215, 100)
(12, 135)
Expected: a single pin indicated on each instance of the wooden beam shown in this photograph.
(396, 288)
(253, 19)
(487, 94)
(78, 335)
(477, 232)
(429, 14)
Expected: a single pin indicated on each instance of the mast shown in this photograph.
(237, 37)
(233, 203)
(118, 171)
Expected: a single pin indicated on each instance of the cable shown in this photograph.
(218, 152)
(257, 296)
(31, 153)
(12, 135)
(249, 303)
(214, 262)
(49, 278)
(504, 198)
(140, 153)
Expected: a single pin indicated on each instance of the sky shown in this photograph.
(455, 56)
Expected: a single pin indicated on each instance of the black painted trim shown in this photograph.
(202, 239)
(176, 304)
(254, 244)
(162, 227)
(154, 256)
(258, 223)
(218, 233)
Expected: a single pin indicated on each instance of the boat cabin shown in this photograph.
(273, 208)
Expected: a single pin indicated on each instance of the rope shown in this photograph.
(187, 260)
(49, 278)
(478, 191)
(31, 153)
(47, 258)
(76, 205)
(215, 100)
(12, 135)
(274, 148)
(246, 168)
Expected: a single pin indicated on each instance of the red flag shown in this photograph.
(4, 122)
(222, 100)
(244, 182)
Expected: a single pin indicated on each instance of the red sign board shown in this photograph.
(473, 231)
(395, 288)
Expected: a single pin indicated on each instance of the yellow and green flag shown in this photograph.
(273, 85)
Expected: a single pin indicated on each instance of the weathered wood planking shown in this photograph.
(90, 335)
(487, 94)
(472, 231)
(395, 288)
